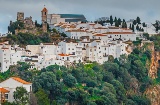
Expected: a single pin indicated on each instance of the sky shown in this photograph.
(147, 10)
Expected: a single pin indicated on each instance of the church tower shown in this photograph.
(44, 13)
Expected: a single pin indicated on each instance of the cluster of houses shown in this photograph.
(89, 44)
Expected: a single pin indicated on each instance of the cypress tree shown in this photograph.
(137, 27)
(111, 20)
(138, 20)
(130, 26)
(133, 27)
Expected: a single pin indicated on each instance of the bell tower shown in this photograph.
(44, 13)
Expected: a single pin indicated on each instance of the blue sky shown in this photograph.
(147, 10)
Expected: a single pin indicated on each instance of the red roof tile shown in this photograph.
(2, 90)
(20, 80)
(44, 10)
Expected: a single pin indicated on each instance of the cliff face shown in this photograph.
(154, 64)
(153, 93)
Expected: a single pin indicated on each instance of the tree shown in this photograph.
(121, 96)
(116, 24)
(119, 21)
(111, 20)
(70, 80)
(130, 26)
(137, 27)
(115, 19)
(134, 22)
(42, 97)
(138, 20)
(21, 96)
(133, 27)
(144, 25)
(157, 26)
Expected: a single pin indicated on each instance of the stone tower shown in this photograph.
(20, 16)
(44, 13)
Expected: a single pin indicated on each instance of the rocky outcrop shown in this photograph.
(153, 93)
(154, 64)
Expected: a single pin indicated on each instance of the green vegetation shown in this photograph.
(15, 25)
(116, 82)
(21, 96)
(156, 40)
(29, 39)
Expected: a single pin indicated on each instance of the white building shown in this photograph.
(10, 85)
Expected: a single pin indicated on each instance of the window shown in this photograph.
(99, 47)
(45, 13)
(62, 57)
(6, 96)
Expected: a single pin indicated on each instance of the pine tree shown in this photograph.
(111, 20)
(119, 21)
(130, 26)
(115, 19)
(125, 25)
(134, 22)
(138, 20)
(133, 27)
(156, 25)
(124, 20)
(137, 27)
(144, 25)
(140, 29)
(116, 24)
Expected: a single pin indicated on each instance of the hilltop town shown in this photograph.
(88, 42)
(69, 42)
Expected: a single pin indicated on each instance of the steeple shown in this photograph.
(44, 13)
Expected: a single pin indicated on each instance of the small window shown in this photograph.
(6, 96)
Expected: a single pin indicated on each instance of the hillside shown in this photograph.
(116, 82)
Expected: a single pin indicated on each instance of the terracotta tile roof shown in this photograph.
(63, 54)
(20, 80)
(4, 48)
(101, 28)
(2, 90)
(44, 10)
(113, 27)
(76, 30)
(126, 29)
(99, 35)
(119, 33)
